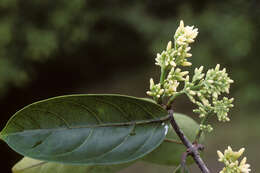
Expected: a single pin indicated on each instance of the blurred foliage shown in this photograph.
(123, 35)
(34, 31)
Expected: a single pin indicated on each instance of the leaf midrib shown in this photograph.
(132, 123)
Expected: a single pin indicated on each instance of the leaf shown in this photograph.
(87, 129)
(170, 153)
(28, 165)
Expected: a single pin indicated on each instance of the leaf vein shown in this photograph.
(116, 107)
(89, 110)
(84, 142)
(115, 147)
(148, 112)
(56, 115)
(152, 133)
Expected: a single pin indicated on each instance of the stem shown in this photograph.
(163, 74)
(197, 87)
(203, 121)
(173, 97)
(162, 78)
(192, 149)
(183, 161)
(172, 141)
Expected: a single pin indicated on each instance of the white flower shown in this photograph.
(155, 90)
(169, 46)
(220, 155)
(186, 63)
(170, 87)
(190, 33)
(244, 168)
(230, 159)
(208, 88)
(184, 35)
(171, 57)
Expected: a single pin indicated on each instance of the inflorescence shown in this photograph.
(203, 89)
(230, 159)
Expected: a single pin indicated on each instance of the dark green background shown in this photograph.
(50, 48)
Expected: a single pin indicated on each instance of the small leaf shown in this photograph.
(170, 153)
(28, 165)
(87, 129)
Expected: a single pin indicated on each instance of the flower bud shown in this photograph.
(169, 46)
(186, 63)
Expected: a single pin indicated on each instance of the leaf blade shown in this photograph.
(28, 165)
(69, 129)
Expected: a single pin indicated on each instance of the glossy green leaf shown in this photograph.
(87, 129)
(170, 153)
(28, 165)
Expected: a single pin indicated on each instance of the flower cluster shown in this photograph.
(166, 58)
(179, 54)
(175, 76)
(172, 57)
(155, 90)
(207, 127)
(230, 159)
(204, 90)
(183, 37)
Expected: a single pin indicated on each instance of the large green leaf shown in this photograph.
(28, 165)
(170, 153)
(87, 129)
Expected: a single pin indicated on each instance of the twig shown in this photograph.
(172, 141)
(173, 97)
(183, 161)
(199, 133)
(192, 149)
